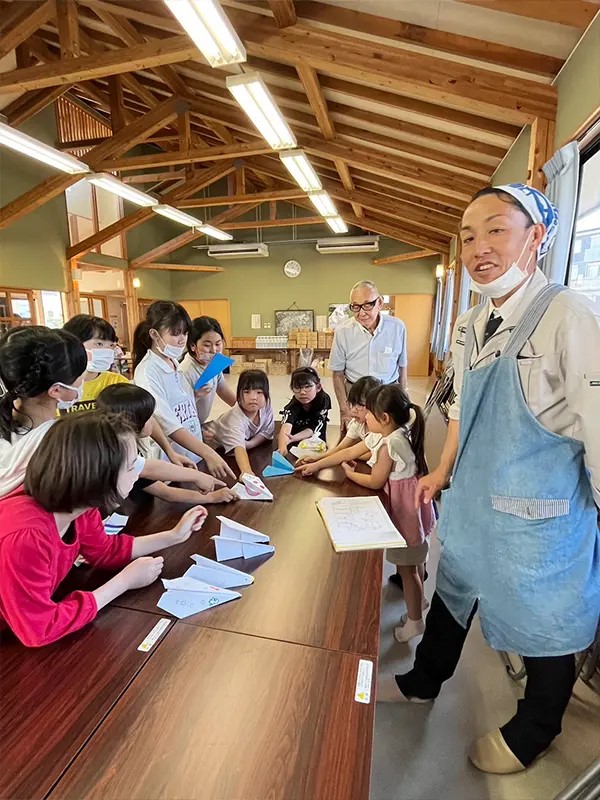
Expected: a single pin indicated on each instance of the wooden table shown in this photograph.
(53, 698)
(221, 716)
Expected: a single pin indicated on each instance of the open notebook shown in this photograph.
(358, 523)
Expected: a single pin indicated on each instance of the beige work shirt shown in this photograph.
(559, 366)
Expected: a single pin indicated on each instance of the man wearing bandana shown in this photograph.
(519, 524)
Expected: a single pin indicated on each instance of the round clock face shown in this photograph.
(292, 269)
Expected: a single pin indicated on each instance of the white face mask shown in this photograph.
(504, 284)
(102, 359)
(170, 350)
(138, 466)
(66, 404)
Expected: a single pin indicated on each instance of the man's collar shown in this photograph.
(377, 327)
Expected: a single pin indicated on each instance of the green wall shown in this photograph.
(32, 250)
(258, 286)
(579, 85)
(513, 168)
(155, 284)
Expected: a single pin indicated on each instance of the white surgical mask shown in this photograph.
(102, 359)
(170, 350)
(66, 404)
(138, 466)
(504, 284)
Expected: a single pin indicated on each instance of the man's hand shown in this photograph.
(429, 486)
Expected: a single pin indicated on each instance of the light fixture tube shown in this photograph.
(107, 181)
(323, 203)
(28, 146)
(210, 230)
(299, 167)
(207, 26)
(337, 224)
(255, 100)
(176, 215)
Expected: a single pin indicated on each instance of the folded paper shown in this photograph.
(239, 548)
(115, 523)
(279, 467)
(216, 366)
(252, 488)
(231, 529)
(215, 574)
(185, 596)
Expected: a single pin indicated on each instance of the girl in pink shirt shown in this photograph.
(83, 460)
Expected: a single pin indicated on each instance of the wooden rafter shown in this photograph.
(284, 12)
(402, 257)
(117, 106)
(272, 223)
(29, 104)
(361, 22)
(28, 18)
(145, 56)
(190, 187)
(576, 13)
(196, 155)
(394, 231)
(183, 268)
(135, 133)
(68, 28)
(238, 199)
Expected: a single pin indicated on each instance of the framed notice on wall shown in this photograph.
(292, 318)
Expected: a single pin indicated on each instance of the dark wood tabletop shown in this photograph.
(304, 593)
(53, 698)
(216, 715)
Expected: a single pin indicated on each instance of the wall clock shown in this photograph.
(292, 269)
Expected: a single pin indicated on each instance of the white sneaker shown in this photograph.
(388, 692)
(408, 629)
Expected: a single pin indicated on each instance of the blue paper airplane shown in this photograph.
(279, 467)
(215, 367)
(275, 472)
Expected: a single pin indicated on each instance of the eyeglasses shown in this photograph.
(356, 307)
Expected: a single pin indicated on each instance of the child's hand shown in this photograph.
(191, 521)
(182, 461)
(349, 466)
(306, 470)
(206, 483)
(203, 392)
(142, 572)
(225, 495)
(217, 466)
(309, 458)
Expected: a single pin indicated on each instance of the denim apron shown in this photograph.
(518, 527)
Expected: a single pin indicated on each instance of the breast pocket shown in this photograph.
(541, 381)
(384, 361)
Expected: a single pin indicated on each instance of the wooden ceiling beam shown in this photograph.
(402, 257)
(272, 223)
(30, 103)
(431, 38)
(195, 155)
(237, 199)
(394, 192)
(284, 12)
(135, 133)
(473, 89)
(400, 234)
(28, 17)
(183, 268)
(575, 13)
(126, 223)
(126, 59)
(117, 105)
(68, 28)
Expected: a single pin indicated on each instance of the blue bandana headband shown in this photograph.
(539, 208)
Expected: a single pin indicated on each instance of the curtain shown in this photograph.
(437, 313)
(562, 172)
(445, 329)
(464, 297)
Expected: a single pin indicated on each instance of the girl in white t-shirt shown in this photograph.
(159, 343)
(205, 340)
(249, 423)
(396, 442)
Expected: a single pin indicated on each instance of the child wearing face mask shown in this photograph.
(307, 413)
(53, 519)
(396, 442)
(205, 340)
(249, 423)
(158, 345)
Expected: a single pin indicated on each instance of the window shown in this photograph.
(53, 309)
(94, 305)
(584, 273)
(90, 209)
(16, 308)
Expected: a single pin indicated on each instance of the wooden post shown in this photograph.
(131, 303)
(540, 150)
(117, 105)
(71, 290)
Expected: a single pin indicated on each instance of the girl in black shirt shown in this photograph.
(307, 413)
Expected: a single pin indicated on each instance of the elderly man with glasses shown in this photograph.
(371, 343)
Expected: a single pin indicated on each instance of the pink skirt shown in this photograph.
(399, 500)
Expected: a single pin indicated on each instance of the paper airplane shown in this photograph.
(185, 596)
(252, 488)
(215, 367)
(238, 548)
(115, 524)
(280, 466)
(231, 529)
(215, 574)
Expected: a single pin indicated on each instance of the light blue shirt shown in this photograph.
(358, 353)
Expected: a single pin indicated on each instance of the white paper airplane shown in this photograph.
(185, 596)
(115, 523)
(231, 529)
(239, 548)
(215, 574)
(251, 488)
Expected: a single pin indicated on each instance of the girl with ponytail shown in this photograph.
(396, 440)
(40, 370)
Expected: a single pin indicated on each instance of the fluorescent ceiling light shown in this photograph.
(42, 152)
(255, 99)
(177, 216)
(299, 167)
(107, 181)
(337, 224)
(209, 230)
(207, 26)
(323, 203)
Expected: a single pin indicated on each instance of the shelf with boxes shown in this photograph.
(280, 355)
